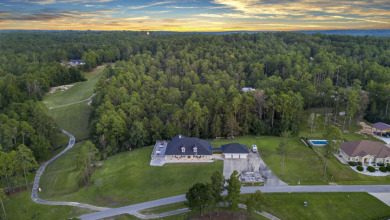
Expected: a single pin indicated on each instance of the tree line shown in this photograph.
(192, 84)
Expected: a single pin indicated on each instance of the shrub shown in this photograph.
(360, 168)
(359, 163)
(380, 164)
(371, 169)
(383, 169)
(388, 167)
(352, 163)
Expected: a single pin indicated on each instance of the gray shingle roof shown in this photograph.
(179, 141)
(365, 147)
(235, 148)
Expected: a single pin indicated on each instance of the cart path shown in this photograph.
(85, 100)
(34, 192)
(132, 209)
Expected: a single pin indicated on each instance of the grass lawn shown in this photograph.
(74, 118)
(324, 206)
(20, 206)
(164, 208)
(301, 163)
(127, 179)
(78, 92)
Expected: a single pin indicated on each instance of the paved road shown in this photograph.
(88, 99)
(34, 192)
(131, 209)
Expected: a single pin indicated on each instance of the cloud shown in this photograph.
(46, 2)
(181, 7)
(150, 5)
(231, 15)
(137, 18)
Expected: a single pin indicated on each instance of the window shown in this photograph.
(387, 161)
(183, 149)
(195, 149)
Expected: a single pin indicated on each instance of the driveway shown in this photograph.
(253, 163)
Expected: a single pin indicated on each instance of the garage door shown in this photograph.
(228, 155)
(236, 155)
(242, 155)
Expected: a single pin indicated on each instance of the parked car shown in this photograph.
(254, 148)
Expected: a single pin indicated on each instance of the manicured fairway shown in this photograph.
(74, 118)
(20, 206)
(127, 179)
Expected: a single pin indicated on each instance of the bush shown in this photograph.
(352, 163)
(371, 169)
(388, 167)
(380, 164)
(359, 163)
(383, 169)
(360, 168)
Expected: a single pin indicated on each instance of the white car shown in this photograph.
(254, 148)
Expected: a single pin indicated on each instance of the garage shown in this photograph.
(235, 151)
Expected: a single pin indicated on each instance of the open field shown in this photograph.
(324, 206)
(80, 91)
(20, 206)
(74, 118)
(127, 179)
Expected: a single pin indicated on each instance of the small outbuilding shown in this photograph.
(235, 151)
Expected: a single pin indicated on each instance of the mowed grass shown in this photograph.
(127, 179)
(78, 92)
(301, 164)
(20, 206)
(73, 118)
(324, 206)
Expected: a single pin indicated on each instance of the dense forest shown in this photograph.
(192, 84)
(163, 84)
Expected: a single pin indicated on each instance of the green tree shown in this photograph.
(282, 149)
(233, 189)
(6, 164)
(198, 197)
(333, 137)
(85, 160)
(26, 160)
(217, 186)
(254, 202)
(3, 197)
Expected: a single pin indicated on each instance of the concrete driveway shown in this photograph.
(253, 163)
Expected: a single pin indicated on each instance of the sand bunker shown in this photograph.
(61, 88)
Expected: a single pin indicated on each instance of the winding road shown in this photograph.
(104, 212)
(34, 192)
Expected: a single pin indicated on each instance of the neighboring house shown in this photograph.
(76, 62)
(188, 149)
(247, 89)
(235, 150)
(367, 152)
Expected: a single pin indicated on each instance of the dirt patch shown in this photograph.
(367, 130)
(61, 88)
(223, 215)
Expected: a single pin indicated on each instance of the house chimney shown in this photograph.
(180, 136)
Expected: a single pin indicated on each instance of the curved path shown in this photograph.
(88, 99)
(34, 192)
(133, 209)
(104, 212)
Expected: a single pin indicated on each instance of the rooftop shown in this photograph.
(175, 147)
(235, 148)
(365, 147)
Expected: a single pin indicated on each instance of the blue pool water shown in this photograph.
(319, 142)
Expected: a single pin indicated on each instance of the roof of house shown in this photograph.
(175, 146)
(365, 147)
(234, 148)
(381, 126)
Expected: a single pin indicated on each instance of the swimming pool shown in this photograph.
(318, 142)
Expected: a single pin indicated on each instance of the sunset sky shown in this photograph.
(194, 15)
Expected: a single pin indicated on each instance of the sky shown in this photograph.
(194, 15)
